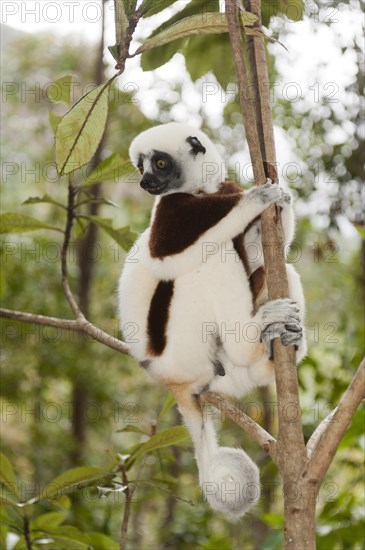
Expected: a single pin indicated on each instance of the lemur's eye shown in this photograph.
(161, 164)
(140, 168)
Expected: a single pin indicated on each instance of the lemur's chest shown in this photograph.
(179, 225)
(181, 219)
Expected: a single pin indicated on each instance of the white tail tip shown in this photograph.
(231, 482)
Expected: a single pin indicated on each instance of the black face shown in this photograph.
(164, 174)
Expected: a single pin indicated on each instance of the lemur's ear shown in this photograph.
(196, 146)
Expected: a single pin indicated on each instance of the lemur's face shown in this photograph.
(162, 172)
(174, 158)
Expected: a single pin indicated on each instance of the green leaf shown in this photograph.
(111, 168)
(114, 50)
(151, 7)
(63, 502)
(54, 120)
(11, 222)
(72, 480)
(151, 59)
(47, 521)
(7, 475)
(194, 7)
(123, 236)
(133, 428)
(211, 23)
(166, 406)
(171, 436)
(216, 60)
(70, 532)
(62, 541)
(45, 198)
(102, 542)
(275, 520)
(60, 90)
(81, 129)
(21, 544)
(79, 227)
(3, 537)
(248, 18)
(7, 501)
(291, 9)
(67, 536)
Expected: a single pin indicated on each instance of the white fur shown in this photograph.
(212, 300)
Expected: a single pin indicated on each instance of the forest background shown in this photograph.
(66, 400)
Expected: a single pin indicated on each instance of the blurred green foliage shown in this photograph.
(124, 408)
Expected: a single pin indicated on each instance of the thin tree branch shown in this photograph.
(124, 54)
(80, 325)
(27, 538)
(244, 88)
(290, 428)
(326, 442)
(259, 434)
(129, 492)
(261, 87)
(318, 432)
(273, 246)
(291, 452)
(69, 222)
(56, 322)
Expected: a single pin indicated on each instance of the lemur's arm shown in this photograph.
(184, 225)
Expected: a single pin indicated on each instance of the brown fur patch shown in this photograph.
(158, 317)
(181, 218)
(257, 282)
(257, 279)
(238, 245)
(229, 187)
(184, 398)
(270, 171)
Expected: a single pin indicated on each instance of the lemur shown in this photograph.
(200, 302)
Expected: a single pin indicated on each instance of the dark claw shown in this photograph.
(293, 327)
(288, 338)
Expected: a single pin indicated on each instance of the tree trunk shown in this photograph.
(299, 516)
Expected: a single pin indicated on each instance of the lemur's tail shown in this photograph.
(229, 478)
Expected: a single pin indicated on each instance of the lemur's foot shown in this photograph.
(281, 319)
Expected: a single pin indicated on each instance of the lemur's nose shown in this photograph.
(153, 185)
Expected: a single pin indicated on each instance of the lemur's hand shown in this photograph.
(285, 201)
(267, 194)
